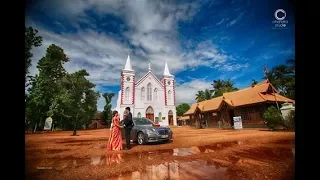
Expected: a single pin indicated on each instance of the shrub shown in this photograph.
(273, 117)
(290, 119)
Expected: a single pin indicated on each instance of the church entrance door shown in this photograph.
(170, 118)
(150, 113)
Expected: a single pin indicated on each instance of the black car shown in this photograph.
(145, 131)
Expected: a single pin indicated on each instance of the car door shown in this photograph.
(134, 131)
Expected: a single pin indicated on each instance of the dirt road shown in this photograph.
(192, 154)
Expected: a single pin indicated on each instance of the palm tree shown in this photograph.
(200, 96)
(217, 84)
(223, 86)
(282, 78)
(208, 94)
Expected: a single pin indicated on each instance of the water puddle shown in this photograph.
(197, 169)
(204, 149)
(113, 159)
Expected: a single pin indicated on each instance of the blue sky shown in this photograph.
(200, 40)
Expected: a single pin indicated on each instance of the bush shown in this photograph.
(273, 118)
(290, 119)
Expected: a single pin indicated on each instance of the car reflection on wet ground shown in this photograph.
(224, 160)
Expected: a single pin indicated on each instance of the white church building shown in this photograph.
(148, 97)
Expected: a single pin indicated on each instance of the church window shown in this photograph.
(127, 94)
(142, 93)
(149, 92)
(156, 94)
(169, 95)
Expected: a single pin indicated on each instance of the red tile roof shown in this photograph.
(260, 93)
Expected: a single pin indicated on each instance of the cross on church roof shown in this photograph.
(149, 67)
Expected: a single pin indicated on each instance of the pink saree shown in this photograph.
(115, 139)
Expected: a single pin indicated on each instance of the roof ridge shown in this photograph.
(261, 96)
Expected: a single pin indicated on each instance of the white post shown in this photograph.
(35, 128)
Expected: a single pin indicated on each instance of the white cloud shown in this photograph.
(207, 54)
(237, 19)
(221, 21)
(152, 29)
(186, 92)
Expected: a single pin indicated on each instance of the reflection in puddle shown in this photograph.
(203, 149)
(198, 169)
(113, 159)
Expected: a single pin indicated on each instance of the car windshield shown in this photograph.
(142, 121)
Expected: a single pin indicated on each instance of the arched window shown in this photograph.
(126, 96)
(149, 92)
(156, 94)
(169, 95)
(139, 115)
(142, 93)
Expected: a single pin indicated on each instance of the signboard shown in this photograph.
(237, 122)
(48, 124)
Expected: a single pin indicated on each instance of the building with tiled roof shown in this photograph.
(249, 103)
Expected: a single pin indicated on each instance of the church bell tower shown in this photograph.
(168, 82)
(127, 84)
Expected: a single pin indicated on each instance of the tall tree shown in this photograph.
(282, 78)
(46, 86)
(223, 86)
(182, 108)
(107, 113)
(31, 40)
(204, 95)
(200, 96)
(79, 100)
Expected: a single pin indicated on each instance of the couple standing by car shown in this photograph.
(115, 139)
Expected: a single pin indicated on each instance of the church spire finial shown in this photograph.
(149, 67)
(166, 71)
(128, 64)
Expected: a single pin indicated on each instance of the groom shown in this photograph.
(128, 126)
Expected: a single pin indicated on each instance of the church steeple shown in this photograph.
(166, 71)
(128, 66)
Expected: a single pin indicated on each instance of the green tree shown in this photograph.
(282, 78)
(31, 40)
(273, 118)
(223, 86)
(204, 95)
(200, 96)
(79, 100)
(46, 87)
(182, 108)
(107, 113)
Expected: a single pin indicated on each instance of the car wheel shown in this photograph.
(140, 138)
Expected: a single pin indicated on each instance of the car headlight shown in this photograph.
(151, 131)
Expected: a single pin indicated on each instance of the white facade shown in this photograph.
(148, 97)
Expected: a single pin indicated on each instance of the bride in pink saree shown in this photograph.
(115, 139)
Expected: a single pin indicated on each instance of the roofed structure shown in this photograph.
(263, 92)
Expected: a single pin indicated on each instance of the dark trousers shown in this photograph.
(128, 136)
